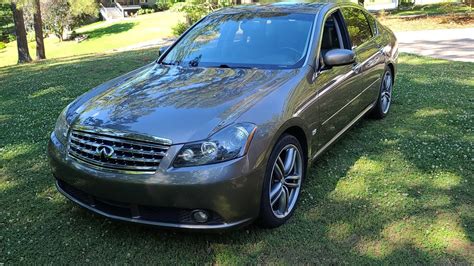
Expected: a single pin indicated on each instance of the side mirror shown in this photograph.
(162, 50)
(338, 57)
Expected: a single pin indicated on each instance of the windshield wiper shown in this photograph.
(167, 64)
(227, 66)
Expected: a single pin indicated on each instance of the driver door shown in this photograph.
(334, 86)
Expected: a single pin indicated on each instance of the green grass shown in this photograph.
(103, 37)
(397, 191)
(428, 23)
(438, 16)
(433, 9)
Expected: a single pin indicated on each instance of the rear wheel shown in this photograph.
(283, 178)
(385, 95)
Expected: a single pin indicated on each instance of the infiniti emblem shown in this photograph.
(104, 151)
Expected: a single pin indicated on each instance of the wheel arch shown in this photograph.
(392, 68)
(297, 128)
(299, 133)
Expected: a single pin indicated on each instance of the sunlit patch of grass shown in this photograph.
(4, 118)
(46, 91)
(375, 249)
(12, 151)
(446, 180)
(439, 232)
(339, 232)
(430, 112)
(6, 182)
(448, 234)
(50, 194)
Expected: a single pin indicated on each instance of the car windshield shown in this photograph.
(245, 40)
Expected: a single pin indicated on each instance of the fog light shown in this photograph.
(200, 216)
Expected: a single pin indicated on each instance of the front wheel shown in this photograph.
(385, 95)
(282, 183)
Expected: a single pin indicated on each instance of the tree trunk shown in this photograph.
(38, 25)
(22, 42)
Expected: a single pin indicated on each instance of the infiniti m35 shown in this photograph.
(220, 130)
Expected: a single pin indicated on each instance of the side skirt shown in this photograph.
(347, 127)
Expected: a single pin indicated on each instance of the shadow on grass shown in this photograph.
(399, 190)
(112, 29)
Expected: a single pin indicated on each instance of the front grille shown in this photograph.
(125, 153)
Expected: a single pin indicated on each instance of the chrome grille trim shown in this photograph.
(128, 154)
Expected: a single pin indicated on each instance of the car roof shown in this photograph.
(284, 7)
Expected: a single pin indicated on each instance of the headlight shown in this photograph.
(227, 144)
(62, 127)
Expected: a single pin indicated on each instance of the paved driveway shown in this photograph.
(453, 44)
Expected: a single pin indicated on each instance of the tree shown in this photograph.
(57, 16)
(38, 25)
(80, 8)
(20, 31)
(7, 29)
(63, 15)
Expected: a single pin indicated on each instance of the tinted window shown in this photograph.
(357, 25)
(275, 40)
(373, 23)
(330, 36)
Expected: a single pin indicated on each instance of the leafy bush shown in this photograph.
(146, 10)
(448, 8)
(162, 6)
(180, 28)
(2, 45)
(11, 37)
(159, 6)
(6, 22)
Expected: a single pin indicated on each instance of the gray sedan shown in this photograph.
(219, 131)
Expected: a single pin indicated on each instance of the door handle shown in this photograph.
(356, 67)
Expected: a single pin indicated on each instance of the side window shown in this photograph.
(331, 36)
(357, 25)
(373, 24)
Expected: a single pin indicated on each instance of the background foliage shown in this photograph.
(62, 15)
(7, 29)
(195, 10)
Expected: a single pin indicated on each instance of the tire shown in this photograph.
(286, 191)
(384, 99)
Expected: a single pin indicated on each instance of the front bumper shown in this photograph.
(229, 192)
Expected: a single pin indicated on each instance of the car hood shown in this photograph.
(176, 103)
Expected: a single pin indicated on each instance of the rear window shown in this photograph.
(357, 25)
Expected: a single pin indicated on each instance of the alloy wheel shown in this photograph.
(285, 181)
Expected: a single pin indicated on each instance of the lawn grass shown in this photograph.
(103, 36)
(428, 23)
(433, 9)
(397, 191)
(429, 17)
